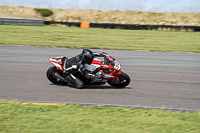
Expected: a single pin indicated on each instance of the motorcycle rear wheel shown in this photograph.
(50, 75)
(124, 80)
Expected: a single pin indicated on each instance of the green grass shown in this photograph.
(100, 38)
(29, 118)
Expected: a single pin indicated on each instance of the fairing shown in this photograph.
(58, 62)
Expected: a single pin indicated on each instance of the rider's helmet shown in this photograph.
(87, 56)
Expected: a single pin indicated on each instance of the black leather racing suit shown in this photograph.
(75, 64)
(71, 66)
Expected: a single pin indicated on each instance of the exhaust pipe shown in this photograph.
(57, 75)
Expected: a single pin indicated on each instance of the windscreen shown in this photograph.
(112, 62)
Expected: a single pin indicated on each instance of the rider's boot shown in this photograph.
(78, 83)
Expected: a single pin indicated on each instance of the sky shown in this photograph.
(132, 5)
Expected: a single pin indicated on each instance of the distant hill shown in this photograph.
(99, 16)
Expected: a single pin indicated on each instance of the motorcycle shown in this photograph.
(109, 70)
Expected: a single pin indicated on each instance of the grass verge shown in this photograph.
(100, 38)
(31, 118)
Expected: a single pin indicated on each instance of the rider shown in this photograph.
(77, 63)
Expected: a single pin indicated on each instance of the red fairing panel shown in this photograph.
(57, 61)
(96, 61)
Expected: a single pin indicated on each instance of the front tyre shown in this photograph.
(50, 75)
(124, 80)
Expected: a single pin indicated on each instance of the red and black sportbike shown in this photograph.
(109, 68)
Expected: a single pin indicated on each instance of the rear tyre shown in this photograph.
(50, 75)
(124, 80)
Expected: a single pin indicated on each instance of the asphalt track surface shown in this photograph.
(158, 79)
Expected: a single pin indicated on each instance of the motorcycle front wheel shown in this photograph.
(124, 80)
